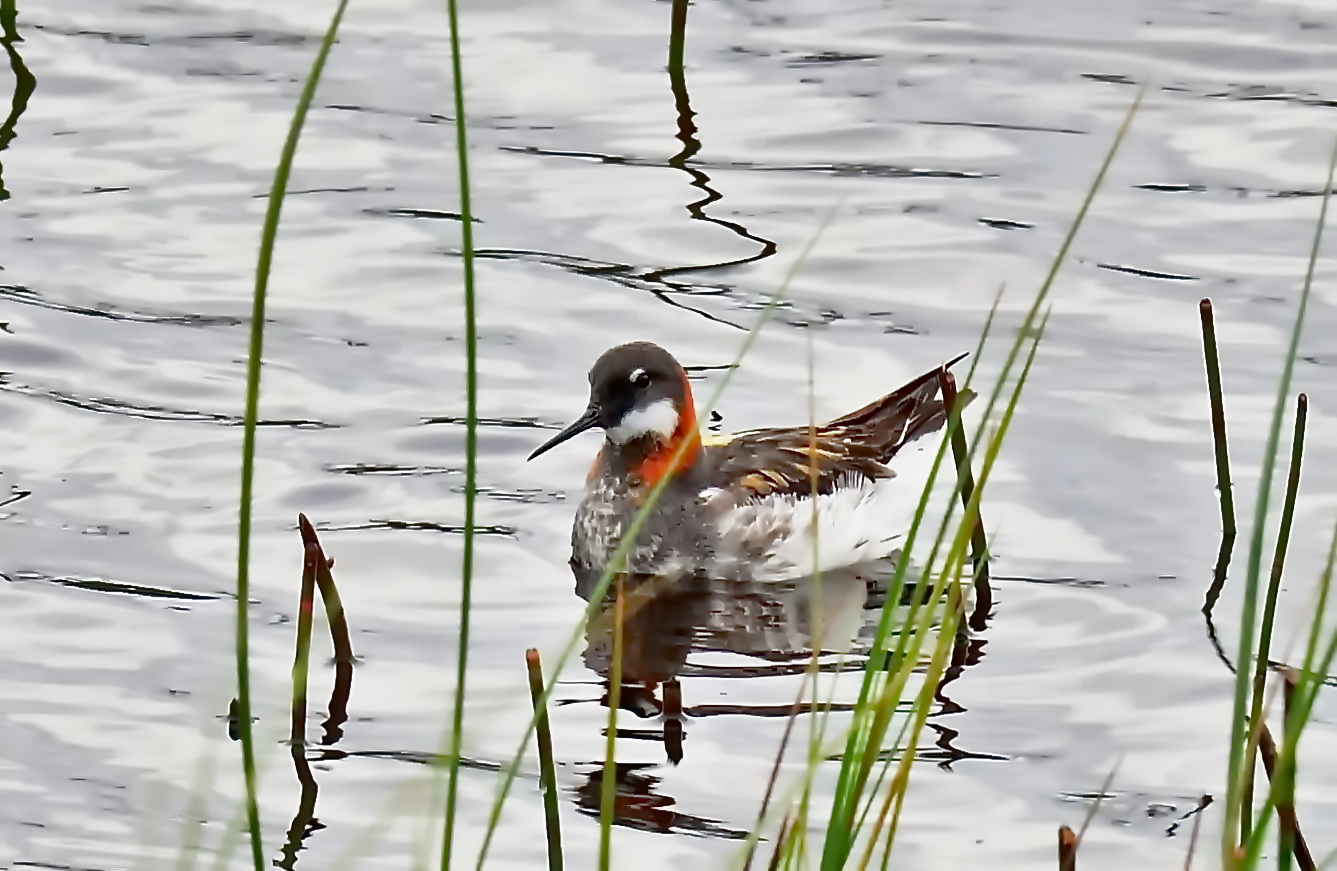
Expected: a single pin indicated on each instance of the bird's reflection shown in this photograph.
(776, 624)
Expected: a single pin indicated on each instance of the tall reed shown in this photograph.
(470, 431)
(255, 352)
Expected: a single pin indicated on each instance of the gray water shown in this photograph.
(955, 140)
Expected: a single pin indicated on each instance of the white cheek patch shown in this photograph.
(658, 419)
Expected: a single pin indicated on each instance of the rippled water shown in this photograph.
(957, 139)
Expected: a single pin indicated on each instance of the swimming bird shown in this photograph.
(762, 505)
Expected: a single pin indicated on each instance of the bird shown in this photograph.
(761, 505)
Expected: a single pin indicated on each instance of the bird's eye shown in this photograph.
(640, 378)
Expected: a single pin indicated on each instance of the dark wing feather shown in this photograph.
(856, 445)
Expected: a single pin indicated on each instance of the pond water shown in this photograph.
(954, 140)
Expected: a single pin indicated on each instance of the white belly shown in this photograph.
(785, 537)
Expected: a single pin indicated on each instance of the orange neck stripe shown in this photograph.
(660, 464)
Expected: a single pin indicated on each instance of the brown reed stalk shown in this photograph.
(547, 772)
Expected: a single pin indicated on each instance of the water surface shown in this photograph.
(957, 139)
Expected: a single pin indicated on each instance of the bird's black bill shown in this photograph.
(588, 420)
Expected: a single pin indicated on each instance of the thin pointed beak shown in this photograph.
(588, 420)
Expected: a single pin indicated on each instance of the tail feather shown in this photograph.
(908, 413)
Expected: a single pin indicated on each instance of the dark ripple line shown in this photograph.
(430, 214)
(1233, 190)
(928, 755)
(775, 670)
(389, 469)
(353, 189)
(494, 122)
(264, 38)
(16, 495)
(1171, 188)
(107, 405)
(503, 422)
(991, 125)
(416, 757)
(103, 585)
(1147, 273)
(1006, 224)
(619, 273)
(27, 296)
(416, 526)
(1238, 93)
(828, 58)
(765, 711)
(878, 170)
(1060, 581)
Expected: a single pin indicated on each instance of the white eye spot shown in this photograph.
(639, 378)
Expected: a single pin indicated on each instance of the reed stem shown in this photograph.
(340, 637)
(1222, 454)
(329, 595)
(677, 36)
(1067, 849)
(1290, 838)
(306, 806)
(547, 773)
(302, 657)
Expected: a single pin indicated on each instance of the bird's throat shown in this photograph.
(663, 458)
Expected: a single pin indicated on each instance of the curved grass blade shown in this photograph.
(264, 263)
(1249, 611)
(470, 432)
(853, 776)
(1270, 605)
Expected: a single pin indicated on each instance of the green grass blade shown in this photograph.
(1270, 604)
(608, 785)
(853, 774)
(1248, 617)
(470, 432)
(264, 263)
